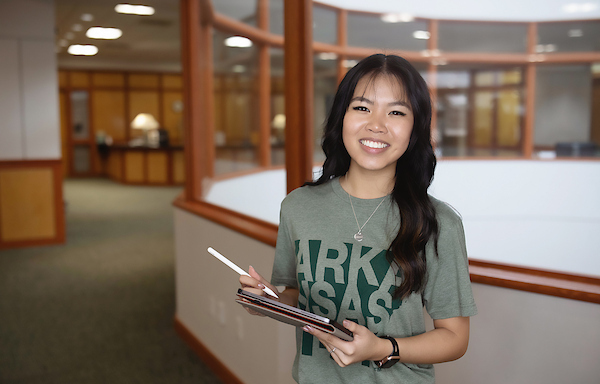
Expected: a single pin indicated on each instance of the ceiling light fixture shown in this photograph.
(421, 35)
(238, 42)
(77, 27)
(104, 33)
(82, 50)
(87, 17)
(130, 9)
(397, 17)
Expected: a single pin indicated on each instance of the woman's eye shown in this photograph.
(398, 113)
(360, 108)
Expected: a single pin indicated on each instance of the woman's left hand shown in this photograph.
(365, 346)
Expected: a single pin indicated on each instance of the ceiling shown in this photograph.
(152, 42)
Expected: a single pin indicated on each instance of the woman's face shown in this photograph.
(377, 125)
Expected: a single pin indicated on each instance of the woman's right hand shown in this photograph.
(254, 284)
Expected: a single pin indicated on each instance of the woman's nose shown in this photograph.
(377, 124)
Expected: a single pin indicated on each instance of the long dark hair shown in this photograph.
(414, 169)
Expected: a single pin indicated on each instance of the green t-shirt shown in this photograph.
(341, 278)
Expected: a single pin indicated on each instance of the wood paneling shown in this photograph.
(170, 81)
(137, 80)
(27, 204)
(108, 113)
(79, 79)
(104, 79)
(142, 102)
(178, 164)
(172, 115)
(157, 165)
(134, 167)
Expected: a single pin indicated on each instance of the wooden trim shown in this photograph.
(298, 92)
(569, 286)
(211, 361)
(264, 90)
(228, 25)
(56, 166)
(250, 226)
(565, 285)
(191, 39)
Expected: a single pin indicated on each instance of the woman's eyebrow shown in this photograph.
(393, 103)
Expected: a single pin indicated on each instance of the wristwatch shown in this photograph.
(392, 359)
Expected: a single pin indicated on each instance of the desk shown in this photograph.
(145, 165)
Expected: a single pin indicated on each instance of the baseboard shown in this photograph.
(215, 365)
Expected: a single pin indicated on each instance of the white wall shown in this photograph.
(517, 337)
(29, 127)
(544, 214)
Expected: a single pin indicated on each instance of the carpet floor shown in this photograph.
(100, 308)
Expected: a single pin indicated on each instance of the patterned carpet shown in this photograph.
(100, 308)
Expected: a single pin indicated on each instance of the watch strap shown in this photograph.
(391, 359)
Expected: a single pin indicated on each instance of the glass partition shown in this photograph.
(244, 11)
(480, 111)
(325, 85)
(324, 25)
(482, 37)
(236, 104)
(276, 17)
(410, 36)
(571, 36)
(565, 100)
(277, 107)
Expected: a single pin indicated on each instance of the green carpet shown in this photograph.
(100, 308)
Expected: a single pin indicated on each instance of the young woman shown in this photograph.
(365, 244)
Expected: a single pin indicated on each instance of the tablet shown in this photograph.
(291, 315)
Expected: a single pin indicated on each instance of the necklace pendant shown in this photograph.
(358, 236)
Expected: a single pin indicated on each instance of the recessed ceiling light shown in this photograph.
(63, 42)
(397, 17)
(238, 42)
(87, 17)
(69, 35)
(77, 27)
(83, 50)
(131, 9)
(104, 33)
(421, 35)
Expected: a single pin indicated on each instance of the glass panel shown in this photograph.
(81, 159)
(276, 17)
(384, 35)
(242, 10)
(482, 37)
(236, 106)
(324, 25)
(277, 108)
(573, 36)
(79, 115)
(325, 86)
(479, 111)
(565, 96)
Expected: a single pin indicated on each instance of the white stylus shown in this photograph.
(239, 270)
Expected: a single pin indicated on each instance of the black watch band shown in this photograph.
(391, 359)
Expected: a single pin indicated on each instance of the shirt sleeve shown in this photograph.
(284, 266)
(448, 290)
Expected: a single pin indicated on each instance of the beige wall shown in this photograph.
(517, 337)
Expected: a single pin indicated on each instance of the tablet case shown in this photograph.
(291, 315)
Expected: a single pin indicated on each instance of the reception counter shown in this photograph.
(144, 165)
